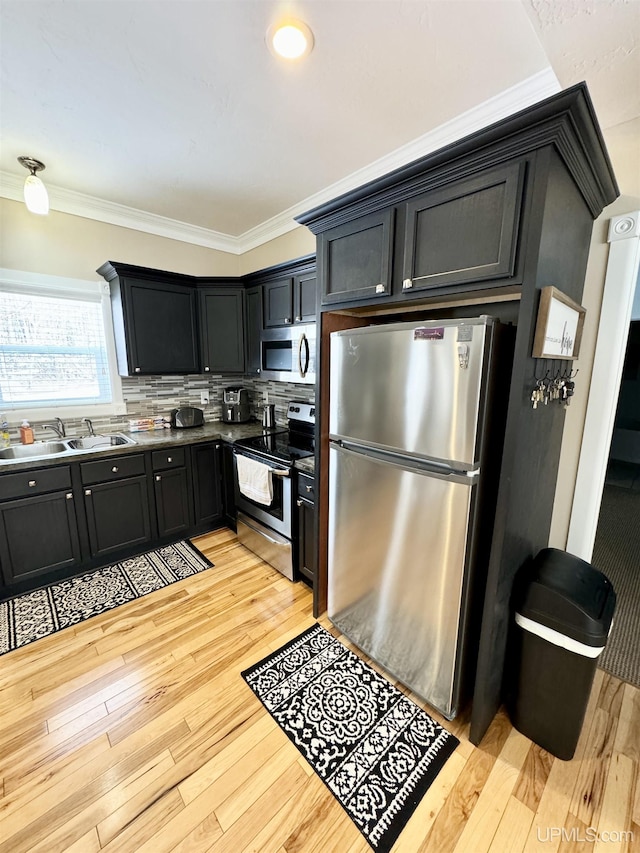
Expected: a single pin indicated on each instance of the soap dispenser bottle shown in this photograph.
(5, 438)
(26, 433)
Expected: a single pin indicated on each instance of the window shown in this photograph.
(56, 347)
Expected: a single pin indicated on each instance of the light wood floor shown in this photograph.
(134, 733)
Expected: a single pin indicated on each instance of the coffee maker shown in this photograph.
(235, 405)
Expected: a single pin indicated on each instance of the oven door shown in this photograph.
(277, 515)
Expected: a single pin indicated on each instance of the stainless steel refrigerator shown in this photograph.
(407, 402)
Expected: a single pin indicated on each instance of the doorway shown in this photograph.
(616, 550)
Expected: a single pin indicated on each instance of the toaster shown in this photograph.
(186, 417)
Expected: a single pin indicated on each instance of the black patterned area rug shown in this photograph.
(42, 612)
(374, 748)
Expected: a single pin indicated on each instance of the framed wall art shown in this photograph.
(559, 326)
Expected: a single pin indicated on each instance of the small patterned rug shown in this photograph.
(374, 748)
(42, 612)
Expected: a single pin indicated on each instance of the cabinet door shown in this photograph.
(222, 329)
(304, 298)
(464, 232)
(277, 296)
(253, 303)
(206, 483)
(307, 540)
(117, 515)
(227, 480)
(172, 501)
(161, 328)
(38, 535)
(356, 258)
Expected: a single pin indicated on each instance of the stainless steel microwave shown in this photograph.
(288, 354)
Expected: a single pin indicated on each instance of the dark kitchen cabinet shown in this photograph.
(222, 329)
(307, 528)
(463, 232)
(171, 491)
(277, 301)
(355, 259)
(116, 503)
(205, 469)
(155, 319)
(253, 328)
(38, 535)
(304, 298)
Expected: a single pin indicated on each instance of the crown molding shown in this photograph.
(524, 94)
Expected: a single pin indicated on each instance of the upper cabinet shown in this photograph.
(463, 233)
(253, 328)
(304, 297)
(155, 320)
(222, 329)
(355, 258)
(277, 301)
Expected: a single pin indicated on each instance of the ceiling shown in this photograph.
(177, 109)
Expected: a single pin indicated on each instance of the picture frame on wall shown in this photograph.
(559, 326)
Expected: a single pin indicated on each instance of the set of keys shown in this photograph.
(561, 390)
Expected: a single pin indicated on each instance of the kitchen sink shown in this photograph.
(40, 448)
(96, 442)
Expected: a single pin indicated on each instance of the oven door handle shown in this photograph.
(278, 472)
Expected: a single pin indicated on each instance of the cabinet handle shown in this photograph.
(158, 478)
(380, 288)
(87, 492)
(69, 496)
(258, 370)
(169, 459)
(206, 370)
(309, 488)
(287, 319)
(299, 502)
(298, 319)
(407, 284)
(115, 469)
(136, 370)
(32, 483)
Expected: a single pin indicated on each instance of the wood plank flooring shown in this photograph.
(134, 733)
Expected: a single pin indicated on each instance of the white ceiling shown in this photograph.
(176, 107)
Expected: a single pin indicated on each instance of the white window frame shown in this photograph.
(17, 281)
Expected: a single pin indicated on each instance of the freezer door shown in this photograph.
(414, 387)
(397, 543)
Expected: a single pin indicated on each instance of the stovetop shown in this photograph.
(285, 446)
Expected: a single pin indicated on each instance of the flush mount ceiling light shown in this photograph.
(290, 39)
(35, 192)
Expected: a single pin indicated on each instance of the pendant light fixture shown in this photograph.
(35, 193)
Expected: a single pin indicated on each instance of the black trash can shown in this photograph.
(563, 613)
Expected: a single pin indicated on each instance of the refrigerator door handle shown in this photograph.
(427, 467)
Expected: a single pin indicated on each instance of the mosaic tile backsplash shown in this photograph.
(151, 396)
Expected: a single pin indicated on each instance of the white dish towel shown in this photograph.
(254, 480)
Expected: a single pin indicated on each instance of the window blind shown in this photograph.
(52, 350)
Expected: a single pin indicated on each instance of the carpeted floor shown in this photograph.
(375, 749)
(44, 611)
(617, 554)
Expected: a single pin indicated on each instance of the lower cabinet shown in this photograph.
(117, 515)
(206, 484)
(38, 535)
(58, 520)
(171, 490)
(307, 528)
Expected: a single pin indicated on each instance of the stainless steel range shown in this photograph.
(266, 528)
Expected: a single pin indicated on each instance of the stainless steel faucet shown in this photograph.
(58, 428)
(87, 421)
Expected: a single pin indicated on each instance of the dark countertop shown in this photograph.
(152, 440)
(308, 465)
